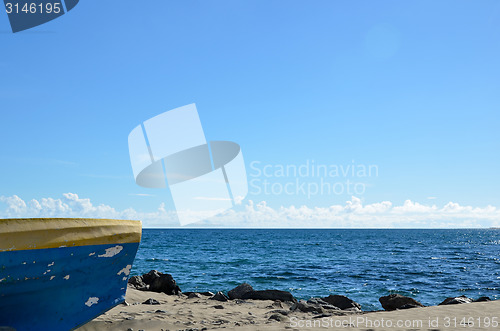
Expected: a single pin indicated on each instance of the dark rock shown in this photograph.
(151, 302)
(279, 311)
(396, 301)
(194, 295)
(219, 307)
(317, 301)
(315, 305)
(306, 307)
(483, 299)
(138, 283)
(207, 294)
(408, 306)
(322, 315)
(239, 291)
(164, 283)
(322, 303)
(269, 295)
(219, 296)
(341, 302)
(160, 311)
(155, 281)
(456, 300)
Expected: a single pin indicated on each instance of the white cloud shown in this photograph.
(71, 205)
(352, 214)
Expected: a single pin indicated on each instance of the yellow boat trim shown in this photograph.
(40, 233)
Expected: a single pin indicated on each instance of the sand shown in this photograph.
(182, 313)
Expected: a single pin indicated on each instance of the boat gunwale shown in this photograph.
(41, 233)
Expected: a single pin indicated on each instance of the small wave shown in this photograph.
(292, 289)
(286, 273)
(356, 276)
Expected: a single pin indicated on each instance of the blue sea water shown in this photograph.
(428, 265)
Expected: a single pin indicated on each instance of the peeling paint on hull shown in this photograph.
(58, 274)
(32, 300)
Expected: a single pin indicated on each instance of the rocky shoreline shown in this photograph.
(155, 281)
(154, 302)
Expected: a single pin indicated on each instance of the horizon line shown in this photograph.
(243, 228)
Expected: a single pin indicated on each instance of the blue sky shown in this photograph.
(411, 87)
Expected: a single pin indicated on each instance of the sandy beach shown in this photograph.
(178, 312)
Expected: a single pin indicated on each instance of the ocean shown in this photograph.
(428, 265)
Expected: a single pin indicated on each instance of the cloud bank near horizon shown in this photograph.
(353, 214)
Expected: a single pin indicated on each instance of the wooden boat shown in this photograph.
(57, 274)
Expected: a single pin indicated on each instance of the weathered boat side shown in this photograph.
(63, 278)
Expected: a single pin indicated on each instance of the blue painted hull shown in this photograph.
(62, 288)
